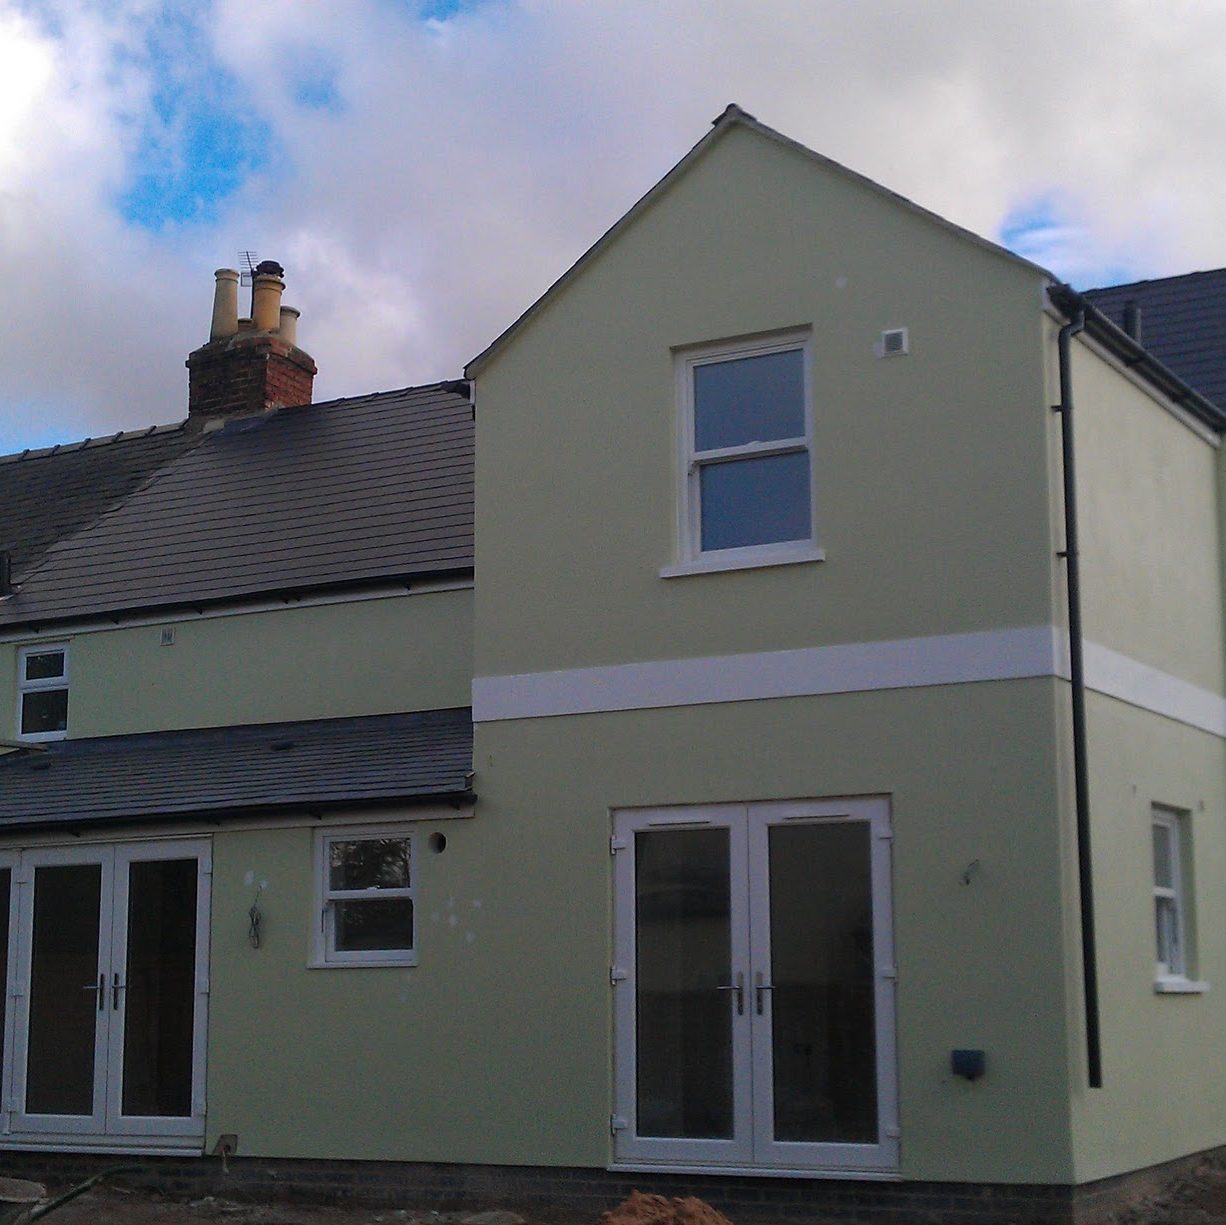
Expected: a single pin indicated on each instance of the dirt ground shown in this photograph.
(1199, 1199)
(115, 1206)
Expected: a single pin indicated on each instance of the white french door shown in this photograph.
(105, 1007)
(754, 979)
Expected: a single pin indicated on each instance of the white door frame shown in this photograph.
(630, 1145)
(117, 1123)
(106, 1122)
(752, 1146)
(21, 941)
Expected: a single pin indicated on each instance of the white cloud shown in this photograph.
(446, 172)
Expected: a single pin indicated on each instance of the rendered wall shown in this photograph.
(1164, 1081)
(1152, 584)
(314, 662)
(1148, 509)
(497, 1046)
(930, 469)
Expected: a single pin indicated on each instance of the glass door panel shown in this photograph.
(158, 988)
(110, 990)
(66, 1020)
(683, 955)
(821, 1009)
(753, 971)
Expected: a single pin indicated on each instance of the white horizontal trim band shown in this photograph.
(904, 663)
(850, 668)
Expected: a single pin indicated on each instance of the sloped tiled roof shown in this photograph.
(1183, 324)
(51, 493)
(369, 489)
(252, 770)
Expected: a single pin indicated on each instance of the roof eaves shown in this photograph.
(287, 594)
(734, 116)
(217, 813)
(1136, 357)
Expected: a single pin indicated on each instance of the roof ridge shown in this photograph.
(81, 444)
(1158, 280)
(445, 385)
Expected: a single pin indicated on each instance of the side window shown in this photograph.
(748, 479)
(1172, 898)
(365, 888)
(42, 692)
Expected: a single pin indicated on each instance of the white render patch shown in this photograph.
(905, 663)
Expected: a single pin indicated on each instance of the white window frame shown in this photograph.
(1172, 975)
(693, 558)
(44, 685)
(323, 953)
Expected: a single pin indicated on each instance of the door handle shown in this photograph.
(101, 990)
(739, 988)
(759, 990)
(116, 988)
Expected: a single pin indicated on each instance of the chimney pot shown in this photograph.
(249, 365)
(1132, 319)
(225, 304)
(266, 300)
(289, 324)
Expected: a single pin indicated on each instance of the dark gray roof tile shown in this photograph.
(259, 769)
(362, 490)
(49, 494)
(1183, 324)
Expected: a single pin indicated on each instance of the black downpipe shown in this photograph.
(1085, 875)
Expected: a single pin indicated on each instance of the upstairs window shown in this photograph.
(748, 480)
(366, 895)
(42, 692)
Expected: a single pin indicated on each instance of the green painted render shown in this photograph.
(306, 662)
(1149, 527)
(497, 1046)
(930, 470)
(1163, 1076)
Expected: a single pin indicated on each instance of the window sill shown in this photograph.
(1179, 986)
(755, 560)
(370, 963)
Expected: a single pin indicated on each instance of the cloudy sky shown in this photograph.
(425, 168)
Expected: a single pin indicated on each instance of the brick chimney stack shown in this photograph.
(249, 365)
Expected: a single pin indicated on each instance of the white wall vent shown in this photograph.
(893, 343)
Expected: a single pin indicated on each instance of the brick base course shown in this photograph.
(566, 1194)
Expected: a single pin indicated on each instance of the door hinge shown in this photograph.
(617, 975)
(617, 1123)
(617, 844)
(890, 1133)
(887, 972)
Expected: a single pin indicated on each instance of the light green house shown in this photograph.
(768, 877)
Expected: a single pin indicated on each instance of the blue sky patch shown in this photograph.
(441, 10)
(199, 140)
(1050, 231)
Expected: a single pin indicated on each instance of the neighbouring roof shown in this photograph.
(1183, 324)
(262, 769)
(51, 493)
(372, 489)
